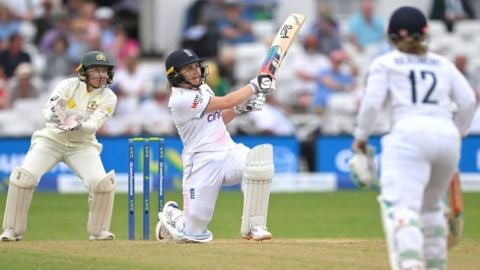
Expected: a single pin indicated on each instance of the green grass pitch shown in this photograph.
(333, 230)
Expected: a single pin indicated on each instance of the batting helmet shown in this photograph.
(94, 58)
(178, 59)
(407, 22)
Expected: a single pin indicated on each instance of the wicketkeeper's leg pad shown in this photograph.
(19, 198)
(435, 228)
(101, 205)
(403, 235)
(257, 179)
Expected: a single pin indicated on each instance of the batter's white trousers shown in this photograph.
(204, 175)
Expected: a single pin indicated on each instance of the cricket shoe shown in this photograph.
(204, 237)
(10, 235)
(174, 214)
(102, 235)
(258, 233)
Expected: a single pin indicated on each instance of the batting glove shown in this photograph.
(254, 103)
(263, 84)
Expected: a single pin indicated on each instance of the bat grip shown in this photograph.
(249, 106)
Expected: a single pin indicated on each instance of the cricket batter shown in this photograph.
(76, 109)
(422, 150)
(211, 159)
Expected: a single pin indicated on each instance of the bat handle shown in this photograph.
(250, 107)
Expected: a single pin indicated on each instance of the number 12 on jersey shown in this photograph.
(422, 75)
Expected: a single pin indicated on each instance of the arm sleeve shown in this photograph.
(464, 96)
(101, 114)
(373, 100)
(190, 105)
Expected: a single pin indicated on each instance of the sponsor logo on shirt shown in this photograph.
(213, 116)
(197, 100)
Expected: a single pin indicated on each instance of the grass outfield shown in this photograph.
(339, 230)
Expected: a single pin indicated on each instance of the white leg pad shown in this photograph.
(257, 179)
(101, 205)
(435, 231)
(404, 237)
(19, 198)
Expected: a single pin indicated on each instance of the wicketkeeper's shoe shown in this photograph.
(10, 235)
(102, 235)
(258, 233)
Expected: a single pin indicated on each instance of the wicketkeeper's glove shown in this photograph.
(363, 169)
(73, 122)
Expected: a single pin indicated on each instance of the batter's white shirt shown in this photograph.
(95, 107)
(415, 86)
(199, 131)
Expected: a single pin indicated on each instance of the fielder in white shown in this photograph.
(421, 152)
(76, 109)
(211, 159)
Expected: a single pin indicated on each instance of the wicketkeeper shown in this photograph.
(211, 159)
(74, 112)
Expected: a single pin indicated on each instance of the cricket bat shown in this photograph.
(455, 214)
(281, 43)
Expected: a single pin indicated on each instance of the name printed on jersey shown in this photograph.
(416, 60)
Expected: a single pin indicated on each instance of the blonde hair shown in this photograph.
(410, 45)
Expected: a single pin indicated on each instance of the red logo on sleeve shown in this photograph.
(196, 101)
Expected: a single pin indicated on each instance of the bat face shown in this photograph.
(281, 43)
(272, 60)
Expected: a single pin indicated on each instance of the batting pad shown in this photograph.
(257, 179)
(101, 206)
(435, 232)
(403, 236)
(20, 192)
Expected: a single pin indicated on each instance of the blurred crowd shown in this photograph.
(318, 87)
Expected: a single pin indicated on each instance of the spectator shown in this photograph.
(4, 100)
(334, 79)
(24, 84)
(306, 66)
(461, 62)
(131, 85)
(123, 45)
(450, 11)
(59, 65)
(9, 26)
(325, 29)
(233, 28)
(365, 27)
(62, 28)
(219, 84)
(132, 80)
(201, 33)
(104, 16)
(272, 119)
(77, 39)
(157, 119)
(45, 21)
(13, 55)
(92, 26)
